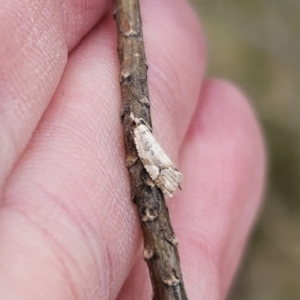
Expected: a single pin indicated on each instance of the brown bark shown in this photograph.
(160, 244)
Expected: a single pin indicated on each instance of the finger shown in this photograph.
(224, 164)
(36, 36)
(70, 191)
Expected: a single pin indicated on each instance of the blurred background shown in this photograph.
(256, 44)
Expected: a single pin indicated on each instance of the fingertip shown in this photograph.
(176, 53)
(223, 160)
(223, 104)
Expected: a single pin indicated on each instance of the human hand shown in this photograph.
(68, 229)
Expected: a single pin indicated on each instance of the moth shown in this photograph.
(156, 162)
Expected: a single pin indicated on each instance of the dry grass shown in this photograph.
(256, 43)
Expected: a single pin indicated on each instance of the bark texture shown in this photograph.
(160, 244)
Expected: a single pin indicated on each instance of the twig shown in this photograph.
(160, 244)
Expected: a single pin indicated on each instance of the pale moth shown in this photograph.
(156, 162)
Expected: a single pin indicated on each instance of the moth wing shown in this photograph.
(139, 144)
(169, 179)
(143, 139)
(158, 156)
(153, 171)
(144, 142)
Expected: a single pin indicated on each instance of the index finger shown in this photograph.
(36, 36)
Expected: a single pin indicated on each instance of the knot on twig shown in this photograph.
(130, 32)
(125, 74)
(131, 160)
(172, 279)
(149, 214)
(172, 240)
(148, 254)
(144, 100)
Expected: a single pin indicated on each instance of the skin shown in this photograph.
(68, 229)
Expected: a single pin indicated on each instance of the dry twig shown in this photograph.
(160, 244)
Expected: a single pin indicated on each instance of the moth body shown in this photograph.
(156, 162)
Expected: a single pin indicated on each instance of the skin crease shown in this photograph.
(67, 227)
